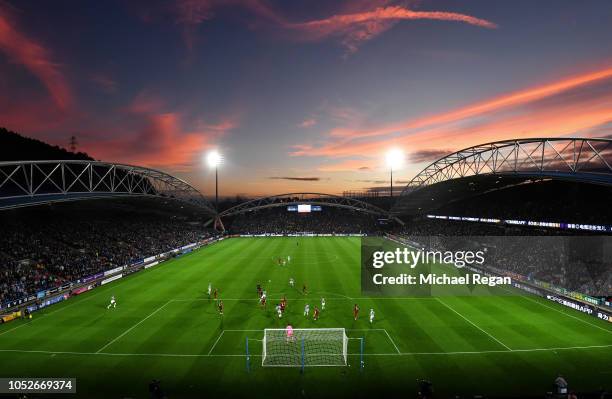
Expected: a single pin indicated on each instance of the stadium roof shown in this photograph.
(28, 183)
(502, 164)
(307, 198)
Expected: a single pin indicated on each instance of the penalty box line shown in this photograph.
(133, 327)
(475, 325)
(179, 355)
(216, 342)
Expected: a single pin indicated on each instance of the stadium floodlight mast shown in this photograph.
(214, 159)
(395, 159)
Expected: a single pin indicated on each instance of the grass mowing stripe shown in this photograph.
(74, 302)
(475, 325)
(175, 343)
(133, 327)
(14, 328)
(567, 314)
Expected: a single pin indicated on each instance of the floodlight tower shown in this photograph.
(214, 159)
(395, 159)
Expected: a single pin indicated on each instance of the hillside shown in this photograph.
(15, 147)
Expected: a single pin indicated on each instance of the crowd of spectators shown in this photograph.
(281, 221)
(578, 263)
(444, 227)
(45, 247)
(546, 201)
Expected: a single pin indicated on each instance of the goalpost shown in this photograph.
(305, 347)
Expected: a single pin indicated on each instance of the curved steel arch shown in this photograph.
(26, 183)
(307, 198)
(582, 159)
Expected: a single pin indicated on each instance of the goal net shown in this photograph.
(304, 347)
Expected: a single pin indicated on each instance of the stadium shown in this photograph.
(160, 248)
(305, 200)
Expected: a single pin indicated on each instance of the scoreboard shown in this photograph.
(304, 208)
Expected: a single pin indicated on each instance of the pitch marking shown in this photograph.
(133, 327)
(466, 319)
(567, 314)
(391, 339)
(216, 342)
(73, 302)
(350, 354)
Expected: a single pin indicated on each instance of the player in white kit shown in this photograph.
(112, 303)
(371, 316)
(306, 310)
(279, 311)
(322, 303)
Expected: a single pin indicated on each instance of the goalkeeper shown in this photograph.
(289, 331)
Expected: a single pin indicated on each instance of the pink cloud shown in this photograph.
(162, 141)
(515, 99)
(158, 137)
(105, 83)
(307, 123)
(359, 21)
(356, 28)
(566, 107)
(189, 14)
(145, 103)
(22, 50)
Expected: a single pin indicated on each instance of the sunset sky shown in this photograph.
(301, 95)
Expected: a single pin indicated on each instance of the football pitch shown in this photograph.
(164, 327)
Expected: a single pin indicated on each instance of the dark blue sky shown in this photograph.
(301, 89)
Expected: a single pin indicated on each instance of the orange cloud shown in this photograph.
(160, 138)
(162, 142)
(24, 51)
(511, 100)
(576, 105)
(356, 28)
(359, 22)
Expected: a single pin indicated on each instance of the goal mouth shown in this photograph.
(304, 347)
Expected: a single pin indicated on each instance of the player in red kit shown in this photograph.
(356, 311)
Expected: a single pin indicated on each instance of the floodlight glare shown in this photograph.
(395, 158)
(214, 159)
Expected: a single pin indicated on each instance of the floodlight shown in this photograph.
(395, 158)
(214, 159)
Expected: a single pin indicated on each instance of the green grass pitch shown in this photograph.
(164, 327)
